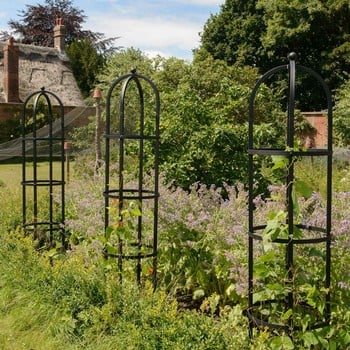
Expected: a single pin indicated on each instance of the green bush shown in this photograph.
(341, 115)
(203, 121)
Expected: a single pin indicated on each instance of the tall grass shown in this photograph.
(73, 302)
(73, 305)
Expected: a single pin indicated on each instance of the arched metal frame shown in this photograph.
(40, 146)
(139, 193)
(255, 231)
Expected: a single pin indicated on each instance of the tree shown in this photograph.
(318, 31)
(203, 121)
(263, 32)
(86, 63)
(233, 35)
(342, 116)
(203, 124)
(117, 64)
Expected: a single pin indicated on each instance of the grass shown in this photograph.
(11, 174)
(26, 326)
(69, 306)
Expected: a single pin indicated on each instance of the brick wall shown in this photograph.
(320, 122)
(11, 80)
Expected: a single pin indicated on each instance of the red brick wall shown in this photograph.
(10, 111)
(319, 121)
(11, 82)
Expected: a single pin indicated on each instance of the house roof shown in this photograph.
(43, 67)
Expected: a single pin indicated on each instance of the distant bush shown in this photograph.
(342, 115)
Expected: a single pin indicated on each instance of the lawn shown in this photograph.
(11, 174)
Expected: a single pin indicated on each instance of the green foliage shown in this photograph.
(202, 258)
(86, 63)
(262, 33)
(203, 123)
(10, 129)
(11, 195)
(83, 137)
(122, 63)
(233, 35)
(318, 30)
(203, 115)
(342, 116)
(120, 236)
(197, 248)
(204, 154)
(72, 302)
(118, 65)
(71, 305)
(305, 278)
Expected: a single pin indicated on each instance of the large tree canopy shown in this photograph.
(263, 32)
(233, 35)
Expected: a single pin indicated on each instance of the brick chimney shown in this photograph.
(11, 80)
(59, 35)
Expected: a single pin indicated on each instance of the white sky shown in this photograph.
(166, 27)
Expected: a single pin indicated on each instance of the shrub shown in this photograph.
(341, 115)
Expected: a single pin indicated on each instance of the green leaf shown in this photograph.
(323, 342)
(317, 252)
(279, 162)
(198, 293)
(134, 209)
(305, 322)
(259, 296)
(262, 271)
(275, 228)
(269, 256)
(320, 306)
(309, 339)
(287, 314)
(267, 246)
(230, 289)
(135, 212)
(297, 232)
(283, 342)
(111, 249)
(109, 231)
(333, 345)
(345, 337)
(303, 189)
